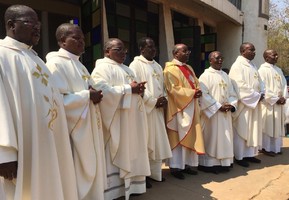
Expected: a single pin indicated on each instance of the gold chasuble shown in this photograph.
(183, 113)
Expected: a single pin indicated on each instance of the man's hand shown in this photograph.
(226, 108)
(9, 170)
(262, 97)
(281, 101)
(138, 88)
(198, 94)
(95, 96)
(161, 102)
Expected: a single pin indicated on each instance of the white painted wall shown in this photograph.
(254, 29)
(229, 39)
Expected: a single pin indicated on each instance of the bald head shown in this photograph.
(244, 46)
(267, 52)
(64, 30)
(22, 24)
(178, 47)
(270, 56)
(110, 43)
(181, 53)
(216, 60)
(247, 50)
(15, 12)
(115, 50)
(212, 54)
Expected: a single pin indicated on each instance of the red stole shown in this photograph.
(188, 74)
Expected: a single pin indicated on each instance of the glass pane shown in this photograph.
(140, 15)
(123, 35)
(97, 51)
(122, 10)
(96, 18)
(96, 35)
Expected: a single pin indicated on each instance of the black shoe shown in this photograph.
(224, 169)
(178, 175)
(190, 171)
(268, 153)
(280, 153)
(163, 179)
(148, 184)
(252, 159)
(213, 169)
(242, 163)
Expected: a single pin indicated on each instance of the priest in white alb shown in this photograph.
(217, 103)
(124, 123)
(147, 69)
(273, 109)
(35, 153)
(247, 120)
(82, 111)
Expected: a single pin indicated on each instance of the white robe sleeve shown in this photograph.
(114, 96)
(149, 99)
(246, 93)
(76, 103)
(8, 138)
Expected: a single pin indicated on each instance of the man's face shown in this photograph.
(149, 51)
(27, 28)
(74, 42)
(117, 52)
(183, 54)
(272, 57)
(216, 60)
(249, 52)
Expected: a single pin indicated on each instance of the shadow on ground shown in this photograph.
(192, 188)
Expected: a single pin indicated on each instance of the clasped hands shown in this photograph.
(138, 88)
(281, 101)
(161, 102)
(95, 95)
(262, 97)
(198, 93)
(226, 107)
(9, 170)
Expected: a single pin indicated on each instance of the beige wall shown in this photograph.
(229, 40)
(227, 21)
(228, 25)
(254, 29)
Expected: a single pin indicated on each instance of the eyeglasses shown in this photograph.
(34, 24)
(187, 52)
(120, 50)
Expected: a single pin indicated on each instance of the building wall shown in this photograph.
(229, 40)
(254, 28)
(51, 14)
(228, 25)
(231, 25)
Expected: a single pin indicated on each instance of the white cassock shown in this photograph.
(84, 122)
(158, 143)
(125, 129)
(40, 143)
(217, 89)
(273, 114)
(247, 120)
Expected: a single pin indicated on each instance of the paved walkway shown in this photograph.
(266, 181)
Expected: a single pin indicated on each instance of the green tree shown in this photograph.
(278, 32)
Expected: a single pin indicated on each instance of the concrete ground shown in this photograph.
(266, 181)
